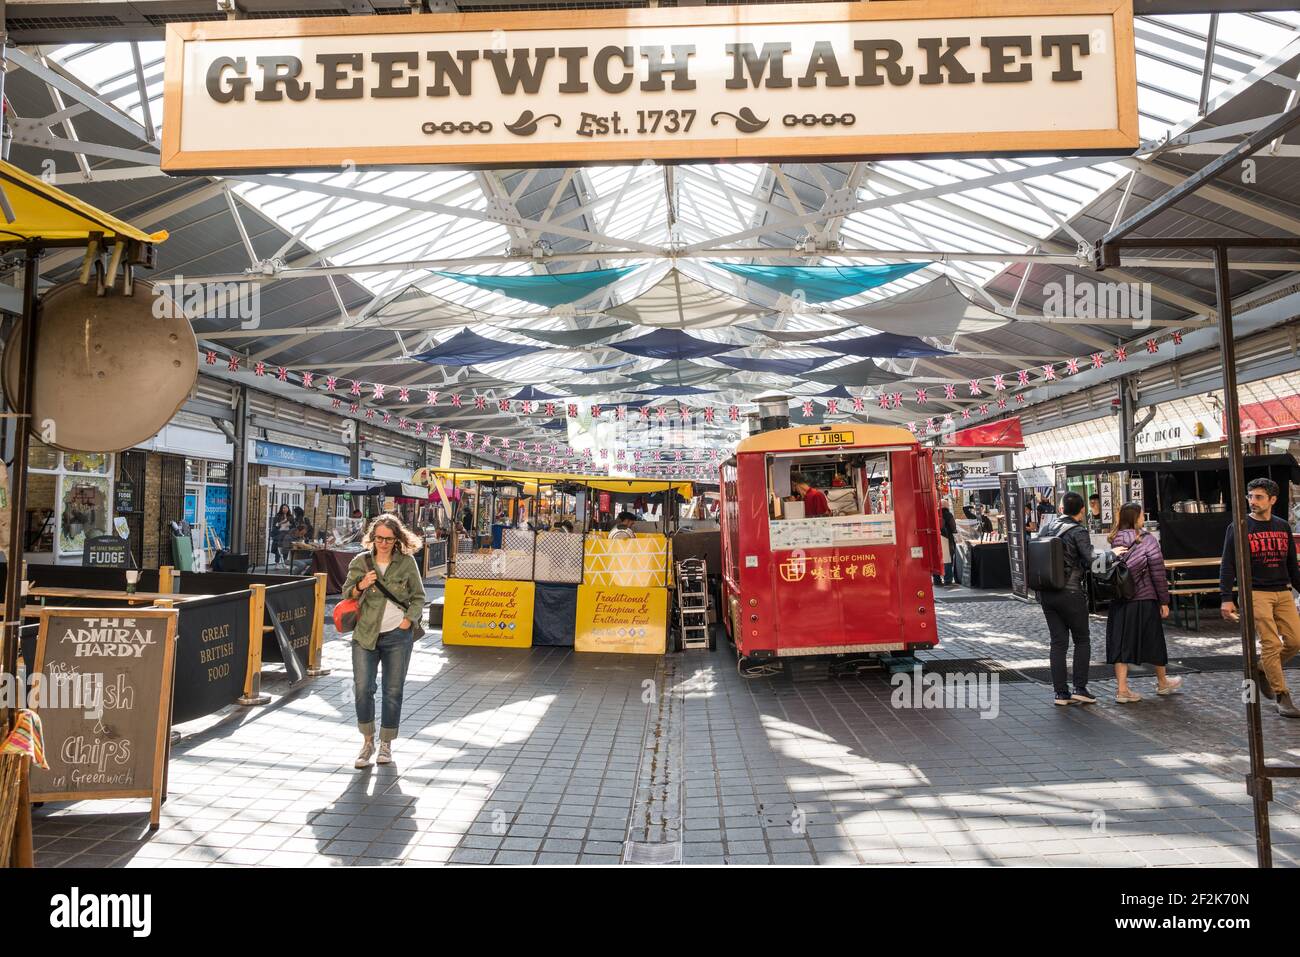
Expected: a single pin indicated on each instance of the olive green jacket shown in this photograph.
(402, 579)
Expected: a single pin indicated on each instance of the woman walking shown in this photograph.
(1135, 632)
(386, 583)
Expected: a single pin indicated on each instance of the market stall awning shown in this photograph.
(604, 483)
(1004, 435)
(33, 209)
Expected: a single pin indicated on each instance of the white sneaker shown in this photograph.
(1170, 687)
(385, 753)
(367, 749)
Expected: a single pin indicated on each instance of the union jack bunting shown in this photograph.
(998, 383)
(356, 388)
(974, 386)
(1049, 372)
(378, 391)
(950, 391)
(282, 374)
(1071, 366)
(307, 379)
(1022, 377)
(259, 368)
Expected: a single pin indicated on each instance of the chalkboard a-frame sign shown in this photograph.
(112, 742)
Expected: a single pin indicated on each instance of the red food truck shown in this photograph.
(835, 579)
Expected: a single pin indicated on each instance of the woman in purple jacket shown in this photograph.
(1135, 633)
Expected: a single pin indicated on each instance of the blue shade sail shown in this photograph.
(573, 338)
(821, 283)
(551, 290)
(672, 344)
(555, 424)
(886, 345)
(468, 348)
(794, 367)
(533, 394)
(839, 392)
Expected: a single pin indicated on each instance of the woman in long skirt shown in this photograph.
(1135, 631)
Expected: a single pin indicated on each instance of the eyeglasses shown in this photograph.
(385, 538)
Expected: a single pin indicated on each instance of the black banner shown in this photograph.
(1013, 505)
(555, 614)
(87, 576)
(211, 655)
(222, 583)
(290, 611)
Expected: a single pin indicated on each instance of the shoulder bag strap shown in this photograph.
(380, 585)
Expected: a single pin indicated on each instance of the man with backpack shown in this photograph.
(1058, 559)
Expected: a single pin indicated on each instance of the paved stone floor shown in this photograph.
(543, 756)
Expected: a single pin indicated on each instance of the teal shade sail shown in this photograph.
(821, 283)
(557, 289)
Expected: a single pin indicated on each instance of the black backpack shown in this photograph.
(1045, 561)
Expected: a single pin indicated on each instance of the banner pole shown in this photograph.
(253, 681)
(314, 669)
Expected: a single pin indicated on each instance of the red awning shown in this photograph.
(1271, 417)
(1005, 434)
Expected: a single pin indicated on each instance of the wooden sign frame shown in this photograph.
(157, 791)
(241, 155)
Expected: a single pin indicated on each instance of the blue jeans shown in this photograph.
(393, 649)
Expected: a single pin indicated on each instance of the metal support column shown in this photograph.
(1127, 415)
(237, 529)
(1258, 784)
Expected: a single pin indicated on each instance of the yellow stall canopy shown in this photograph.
(605, 483)
(34, 210)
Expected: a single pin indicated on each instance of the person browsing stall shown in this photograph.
(814, 500)
(1273, 573)
(386, 583)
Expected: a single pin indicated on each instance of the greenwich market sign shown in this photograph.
(700, 83)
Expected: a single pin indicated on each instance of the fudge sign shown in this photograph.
(709, 82)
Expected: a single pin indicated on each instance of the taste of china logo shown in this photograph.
(793, 569)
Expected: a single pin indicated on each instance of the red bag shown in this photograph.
(345, 614)
(347, 611)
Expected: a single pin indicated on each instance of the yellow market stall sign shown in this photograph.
(491, 613)
(706, 82)
(622, 620)
(817, 439)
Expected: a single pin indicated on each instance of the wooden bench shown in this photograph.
(1194, 588)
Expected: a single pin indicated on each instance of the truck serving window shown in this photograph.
(852, 484)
